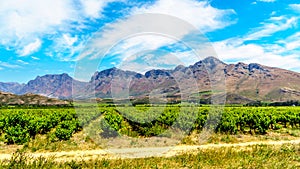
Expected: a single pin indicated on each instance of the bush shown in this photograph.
(107, 130)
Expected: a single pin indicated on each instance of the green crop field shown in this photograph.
(18, 126)
(35, 129)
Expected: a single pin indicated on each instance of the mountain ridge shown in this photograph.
(243, 81)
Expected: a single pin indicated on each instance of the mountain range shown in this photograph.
(240, 82)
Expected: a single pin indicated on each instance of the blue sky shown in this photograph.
(54, 36)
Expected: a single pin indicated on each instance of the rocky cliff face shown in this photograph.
(56, 86)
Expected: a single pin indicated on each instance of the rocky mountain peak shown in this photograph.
(254, 66)
(210, 63)
(212, 60)
(52, 85)
(114, 72)
(156, 73)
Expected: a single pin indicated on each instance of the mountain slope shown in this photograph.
(11, 87)
(28, 99)
(57, 86)
(260, 82)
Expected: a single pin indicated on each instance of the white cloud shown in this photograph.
(68, 40)
(273, 25)
(8, 65)
(22, 62)
(67, 47)
(268, 1)
(292, 42)
(200, 14)
(24, 22)
(148, 29)
(35, 58)
(184, 58)
(26, 26)
(160, 60)
(30, 48)
(157, 28)
(93, 8)
(274, 54)
(147, 61)
(137, 67)
(295, 7)
(270, 55)
(140, 29)
(129, 49)
(282, 53)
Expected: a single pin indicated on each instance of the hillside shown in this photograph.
(29, 99)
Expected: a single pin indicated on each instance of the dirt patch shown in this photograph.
(140, 152)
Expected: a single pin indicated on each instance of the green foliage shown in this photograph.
(21, 125)
(154, 121)
(107, 130)
(18, 126)
(16, 135)
(65, 129)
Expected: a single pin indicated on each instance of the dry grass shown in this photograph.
(255, 156)
(80, 141)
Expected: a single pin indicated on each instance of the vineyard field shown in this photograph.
(20, 125)
(230, 120)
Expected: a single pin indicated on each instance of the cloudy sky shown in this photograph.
(52, 36)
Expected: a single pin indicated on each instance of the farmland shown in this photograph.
(20, 125)
(54, 129)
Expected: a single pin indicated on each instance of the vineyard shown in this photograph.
(18, 125)
(230, 120)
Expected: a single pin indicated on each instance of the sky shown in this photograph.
(79, 37)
